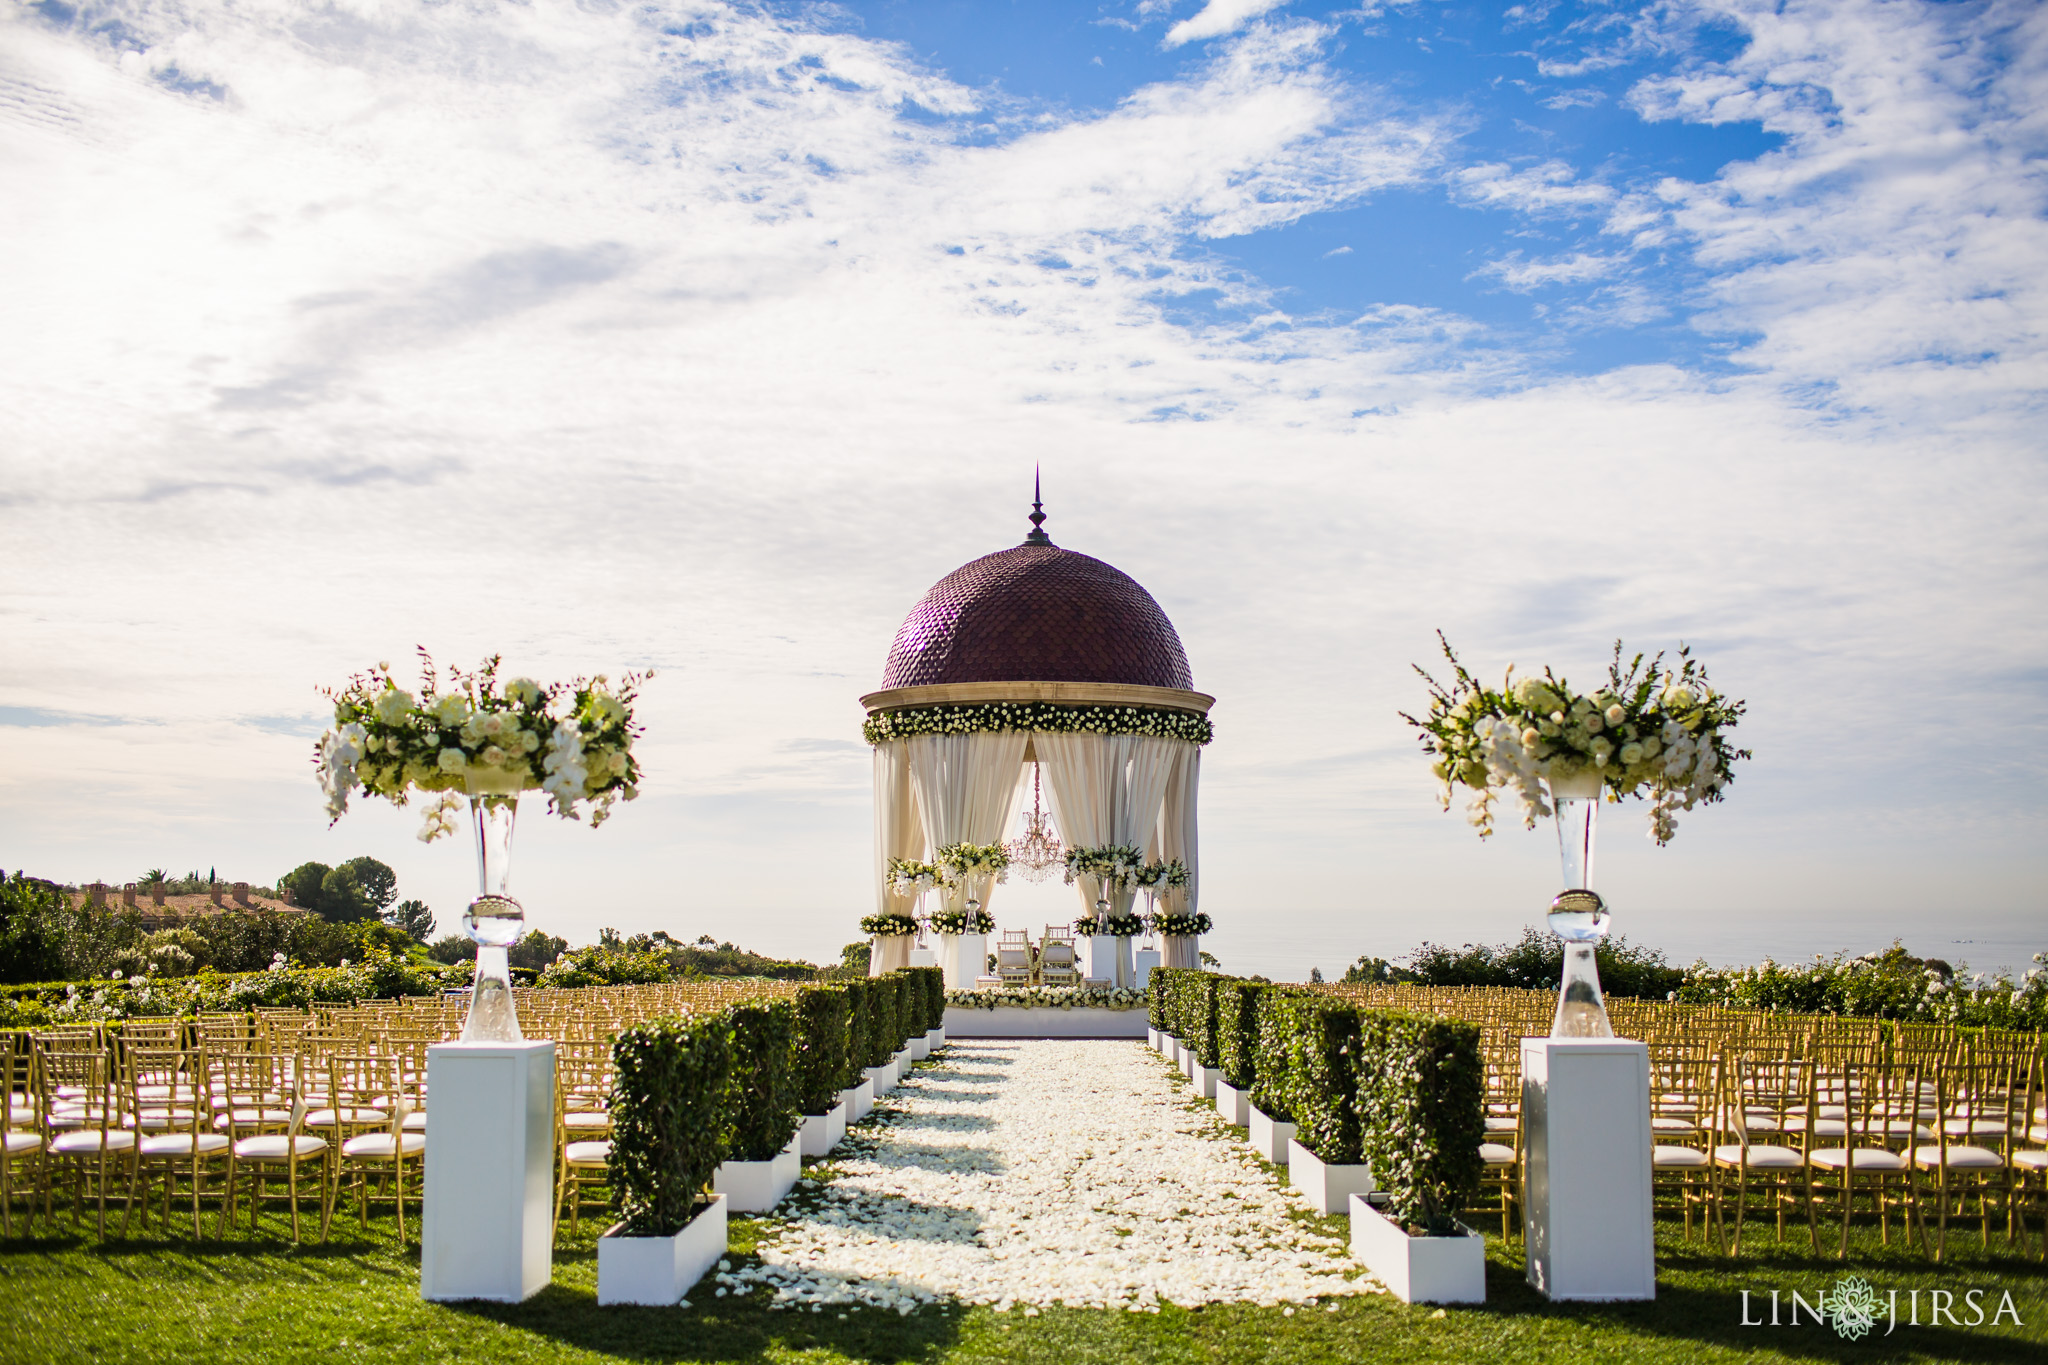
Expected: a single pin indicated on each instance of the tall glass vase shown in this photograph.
(1577, 914)
(495, 921)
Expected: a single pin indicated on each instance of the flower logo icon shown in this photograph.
(1852, 1307)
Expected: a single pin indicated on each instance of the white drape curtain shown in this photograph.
(966, 786)
(1174, 836)
(898, 833)
(1106, 789)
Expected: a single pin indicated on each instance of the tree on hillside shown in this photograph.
(303, 882)
(412, 918)
(536, 950)
(451, 949)
(31, 947)
(378, 883)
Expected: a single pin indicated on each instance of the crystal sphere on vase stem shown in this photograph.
(494, 921)
(1577, 914)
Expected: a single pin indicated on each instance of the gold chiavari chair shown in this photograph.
(2028, 1156)
(1866, 1118)
(87, 1124)
(1685, 1085)
(1763, 1098)
(1974, 1101)
(384, 1150)
(177, 1142)
(266, 1118)
(1500, 1151)
(24, 1155)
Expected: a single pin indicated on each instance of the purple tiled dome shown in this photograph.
(1037, 613)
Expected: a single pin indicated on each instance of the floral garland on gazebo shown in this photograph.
(1056, 717)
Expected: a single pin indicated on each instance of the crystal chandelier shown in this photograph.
(1038, 854)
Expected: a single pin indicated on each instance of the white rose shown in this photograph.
(493, 724)
(452, 709)
(617, 762)
(494, 756)
(1615, 714)
(1679, 699)
(524, 691)
(393, 705)
(1631, 754)
(1593, 725)
(453, 760)
(1531, 738)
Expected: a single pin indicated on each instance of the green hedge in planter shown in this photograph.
(820, 1059)
(1158, 990)
(1170, 987)
(1273, 1065)
(880, 1042)
(1200, 1010)
(931, 993)
(671, 1107)
(1237, 1030)
(1319, 1081)
(909, 1005)
(1420, 1101)
(763, 1086)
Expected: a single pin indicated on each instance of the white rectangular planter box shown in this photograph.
(1233, 1106)
(1179, 1052)
(487, 1231)
(935, 1038)
(1152, 1039)
(758, 1186)
(881, 1079)
(1418, 1269)
(821, 1132)
(1328, 1187)
(859, 1101)
(658, 1270)
(1203, 1079)
(902, 1061)
(1586, 1172)
(920, 1048)
(1269, 1138)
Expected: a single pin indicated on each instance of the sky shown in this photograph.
(704, 337)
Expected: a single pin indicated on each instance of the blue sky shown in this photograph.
(705, 336)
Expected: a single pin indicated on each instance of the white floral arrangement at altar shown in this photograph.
(1051, 998)
(962, 861)
(1116, 926)
(1162, 876)
(888, 925)
(961, 921)
(1181, 924)
(572, 740)
(1115, 865)
(909, 877)
(1650, 729)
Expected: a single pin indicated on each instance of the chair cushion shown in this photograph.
(416, 1121)
(1959, 1158)
(1499, 1125)
(1675, 1125)
(1862, 1158)
(328, 1118)
(250, 1117)
(2031, 1159)
(1965, 1127)
(180, 1144)
(277, 1147)
(1669, 1157)
(587, 1153)
(23, 1142)
(1760, 1157)
(1496, 1154)
(88, 1140)
(379, 1144)
(587, 1118)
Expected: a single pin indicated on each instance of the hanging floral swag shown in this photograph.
(962, 921)
(1056, 717)
(572, 740)
(1651, 728)
(975, 860)
(888, 926)
(1182, 924)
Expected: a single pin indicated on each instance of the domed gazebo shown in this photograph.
(1037, 655)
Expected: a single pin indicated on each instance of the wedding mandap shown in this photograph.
(1038, 663)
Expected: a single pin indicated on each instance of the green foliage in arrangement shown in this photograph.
(671, 1108)
(764, 1100)
(1272, 1067)
(821, 1058)
(1237, 1029)
(1319, 1082)
(1421, 1092)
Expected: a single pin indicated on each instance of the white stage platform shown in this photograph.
(1044, 1023)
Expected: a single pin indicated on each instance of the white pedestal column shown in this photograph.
(1586, 1154)
(488, 1228)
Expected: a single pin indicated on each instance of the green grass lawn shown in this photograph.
(357, 1298)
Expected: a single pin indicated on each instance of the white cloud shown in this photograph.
(1216, 19)
(1522, 275)
(1552, 187)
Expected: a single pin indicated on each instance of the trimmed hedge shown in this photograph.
(909, 1003)
(1170, 987)
(764, 1101)
(1421, 1101)
(1237, 1030)
(820, 1059)
(929, 988)
(671, 1108)
(1319, 1079)
(1270, 1086)
(1201, 994)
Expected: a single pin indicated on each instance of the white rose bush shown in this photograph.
(471, 735)
(1651, 730)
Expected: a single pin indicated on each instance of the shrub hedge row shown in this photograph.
(1401, 1092)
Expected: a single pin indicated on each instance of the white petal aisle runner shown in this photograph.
(1035, 1172)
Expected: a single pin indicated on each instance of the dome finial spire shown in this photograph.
(1038, 535)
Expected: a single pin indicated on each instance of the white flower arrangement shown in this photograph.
(1183, 924)
(1115, 865)
(888, 925)
(573, 741)
(909, 877)
(1051, 998)
(1161, 876)
(1650, 729)
(961, 921)
(963, 861)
